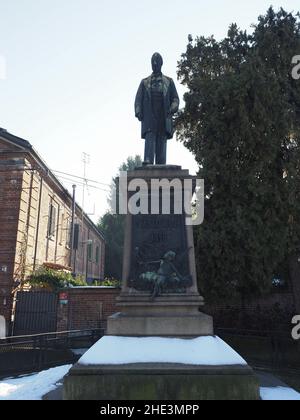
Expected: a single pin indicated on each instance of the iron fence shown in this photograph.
(270, 349)
(25, 354)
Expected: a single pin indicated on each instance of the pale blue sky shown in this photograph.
(73, 68)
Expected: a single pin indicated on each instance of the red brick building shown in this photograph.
(35, 222)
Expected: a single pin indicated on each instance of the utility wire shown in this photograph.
(83, 182)
(71, 181)
(82, 178)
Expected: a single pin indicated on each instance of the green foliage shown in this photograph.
(130, 164)
(113, 225)
(53, 279)
(241, 121)
(109, 283)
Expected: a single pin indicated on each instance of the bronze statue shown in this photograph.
(155, 104)
(167, 275)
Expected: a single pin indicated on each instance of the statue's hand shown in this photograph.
(139, 116)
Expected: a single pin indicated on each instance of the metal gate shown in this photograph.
(35, 313)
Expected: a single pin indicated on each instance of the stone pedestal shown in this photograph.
(161, 382)
(167, 316)
(198, 369)
(174, 313)
(171, 310)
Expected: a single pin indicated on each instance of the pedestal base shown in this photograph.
(119, 368)
(161, 382)
(167, 316)
(160, 325)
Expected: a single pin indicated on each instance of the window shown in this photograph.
(52, 221)
(68, 232)
(62, 229)
(90, 252)
(97, 255)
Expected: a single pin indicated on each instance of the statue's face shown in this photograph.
(170, 256)
(157, 63)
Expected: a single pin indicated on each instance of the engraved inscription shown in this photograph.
(153, 236)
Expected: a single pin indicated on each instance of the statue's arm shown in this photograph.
(175, 270)
(153, 262)
(174, 98)
(139, 102)
(149, 262)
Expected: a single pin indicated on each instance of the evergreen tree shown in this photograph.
(241, 121)
(112, 225)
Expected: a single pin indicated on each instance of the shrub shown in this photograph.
(47, 278)
(109, 283)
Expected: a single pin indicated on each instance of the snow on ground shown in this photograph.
(32, 387)
(279, 394)
(209, 351)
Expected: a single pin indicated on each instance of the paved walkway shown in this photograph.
(56, 395)
(267, 380)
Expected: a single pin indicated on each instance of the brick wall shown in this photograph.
(36, 197)
(38, 193)
(27, 189)
(10, 193)
(87, 308)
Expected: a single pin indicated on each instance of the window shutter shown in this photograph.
(90, 252)
(53, 221)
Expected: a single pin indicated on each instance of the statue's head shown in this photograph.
(170, 256)
(157, 63)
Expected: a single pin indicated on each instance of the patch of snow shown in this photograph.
(32, 387)
(207, 351)
(279, 394)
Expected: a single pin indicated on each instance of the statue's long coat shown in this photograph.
(143, 105)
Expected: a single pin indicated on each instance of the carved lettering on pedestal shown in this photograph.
(154, 237)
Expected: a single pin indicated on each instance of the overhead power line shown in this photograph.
(81, 178)
(71, 181)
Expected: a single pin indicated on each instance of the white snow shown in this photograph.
(208, 351)
(279, 394)
(32, 387)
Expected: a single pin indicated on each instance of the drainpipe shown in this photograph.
(23, 274)
(72, 226)
(89, 243)
(38, 224)
(57, 233)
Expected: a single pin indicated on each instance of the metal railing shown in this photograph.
(25, 354)
(269, 348)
